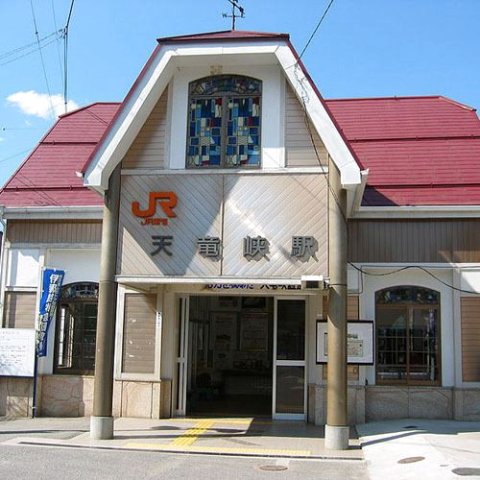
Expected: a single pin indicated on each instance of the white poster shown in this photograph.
(359, 342)
(17, 352)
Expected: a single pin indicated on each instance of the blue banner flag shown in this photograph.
(51, 288)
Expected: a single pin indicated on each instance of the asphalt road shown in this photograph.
(60, 463)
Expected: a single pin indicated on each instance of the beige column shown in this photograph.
(337, 430)
(101, 422)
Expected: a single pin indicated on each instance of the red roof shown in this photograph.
(49, 175)
(419, 150)
(224, 35)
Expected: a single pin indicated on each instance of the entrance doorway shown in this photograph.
(230, 355)
(242, 355)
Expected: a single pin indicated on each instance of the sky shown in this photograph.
(363, 48)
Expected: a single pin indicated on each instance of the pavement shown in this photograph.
(399, 449)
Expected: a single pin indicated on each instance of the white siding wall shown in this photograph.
(23, 268)
(79, 265)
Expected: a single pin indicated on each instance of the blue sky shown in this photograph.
(363, 48)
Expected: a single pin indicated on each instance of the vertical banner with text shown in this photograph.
(51, 287)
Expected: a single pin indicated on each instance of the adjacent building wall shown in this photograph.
(55, 231)
(414, 241)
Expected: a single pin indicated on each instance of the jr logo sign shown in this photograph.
(167, 202)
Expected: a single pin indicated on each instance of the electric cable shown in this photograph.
(410, 267)
(317, 155)
(316, 29)
(9, 53)
(55, 23)
(15, 155)
(52, 110)
(42, 46)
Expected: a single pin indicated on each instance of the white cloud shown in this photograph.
(40, 104)
(1, 139)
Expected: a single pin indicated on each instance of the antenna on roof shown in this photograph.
(234, 14)
(65, 57)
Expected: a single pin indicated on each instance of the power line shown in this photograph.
(52, 110)
(94, 115)
(411, 267)
(317, 155)
(9, 53)
(55, 23)
(316, 29)
(15, 155)
(42, 193)
(28, 53)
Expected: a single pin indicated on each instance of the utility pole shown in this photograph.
(336, 429)
(101, 422)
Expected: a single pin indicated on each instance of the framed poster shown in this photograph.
(224, 327)
(254, 332)
(360, 342)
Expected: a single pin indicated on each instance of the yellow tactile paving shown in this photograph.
(190, 436)
(184, 442)
(226, 450)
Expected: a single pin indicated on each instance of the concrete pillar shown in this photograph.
(337, 430)
(101, 422)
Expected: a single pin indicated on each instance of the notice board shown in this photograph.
(360, 343)
(17, 352)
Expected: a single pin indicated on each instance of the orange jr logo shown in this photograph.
(167, 202)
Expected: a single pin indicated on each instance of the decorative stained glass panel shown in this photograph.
(226, 84)
(243, 126)
(205, 136)
(224, 122)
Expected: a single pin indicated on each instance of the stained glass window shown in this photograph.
(224, 122)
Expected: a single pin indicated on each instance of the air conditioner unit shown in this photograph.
(313, 282)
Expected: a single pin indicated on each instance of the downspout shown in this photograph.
(101, 421)
(359, 191)
(3, 264)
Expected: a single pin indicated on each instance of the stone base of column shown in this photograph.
(101, 428)
(336, 438)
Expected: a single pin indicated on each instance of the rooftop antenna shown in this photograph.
(65, 57)
(234, 14)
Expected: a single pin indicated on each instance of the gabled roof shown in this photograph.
(419, 150)
(48, 177)
(159, 70)
(223, 35)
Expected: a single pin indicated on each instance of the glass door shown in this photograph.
(289, 386)
(182, 358)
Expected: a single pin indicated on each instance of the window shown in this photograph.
(224, 122)
(407, 326)
(76, 329)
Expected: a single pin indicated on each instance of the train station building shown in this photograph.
(242, 215)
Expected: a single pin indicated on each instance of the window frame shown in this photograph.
(409, 307)
(225, 96)
(78, 294)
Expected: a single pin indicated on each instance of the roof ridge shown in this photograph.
(391, 97)
(405, 97)
(236, 34)
(85, 107)
(409, 139)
